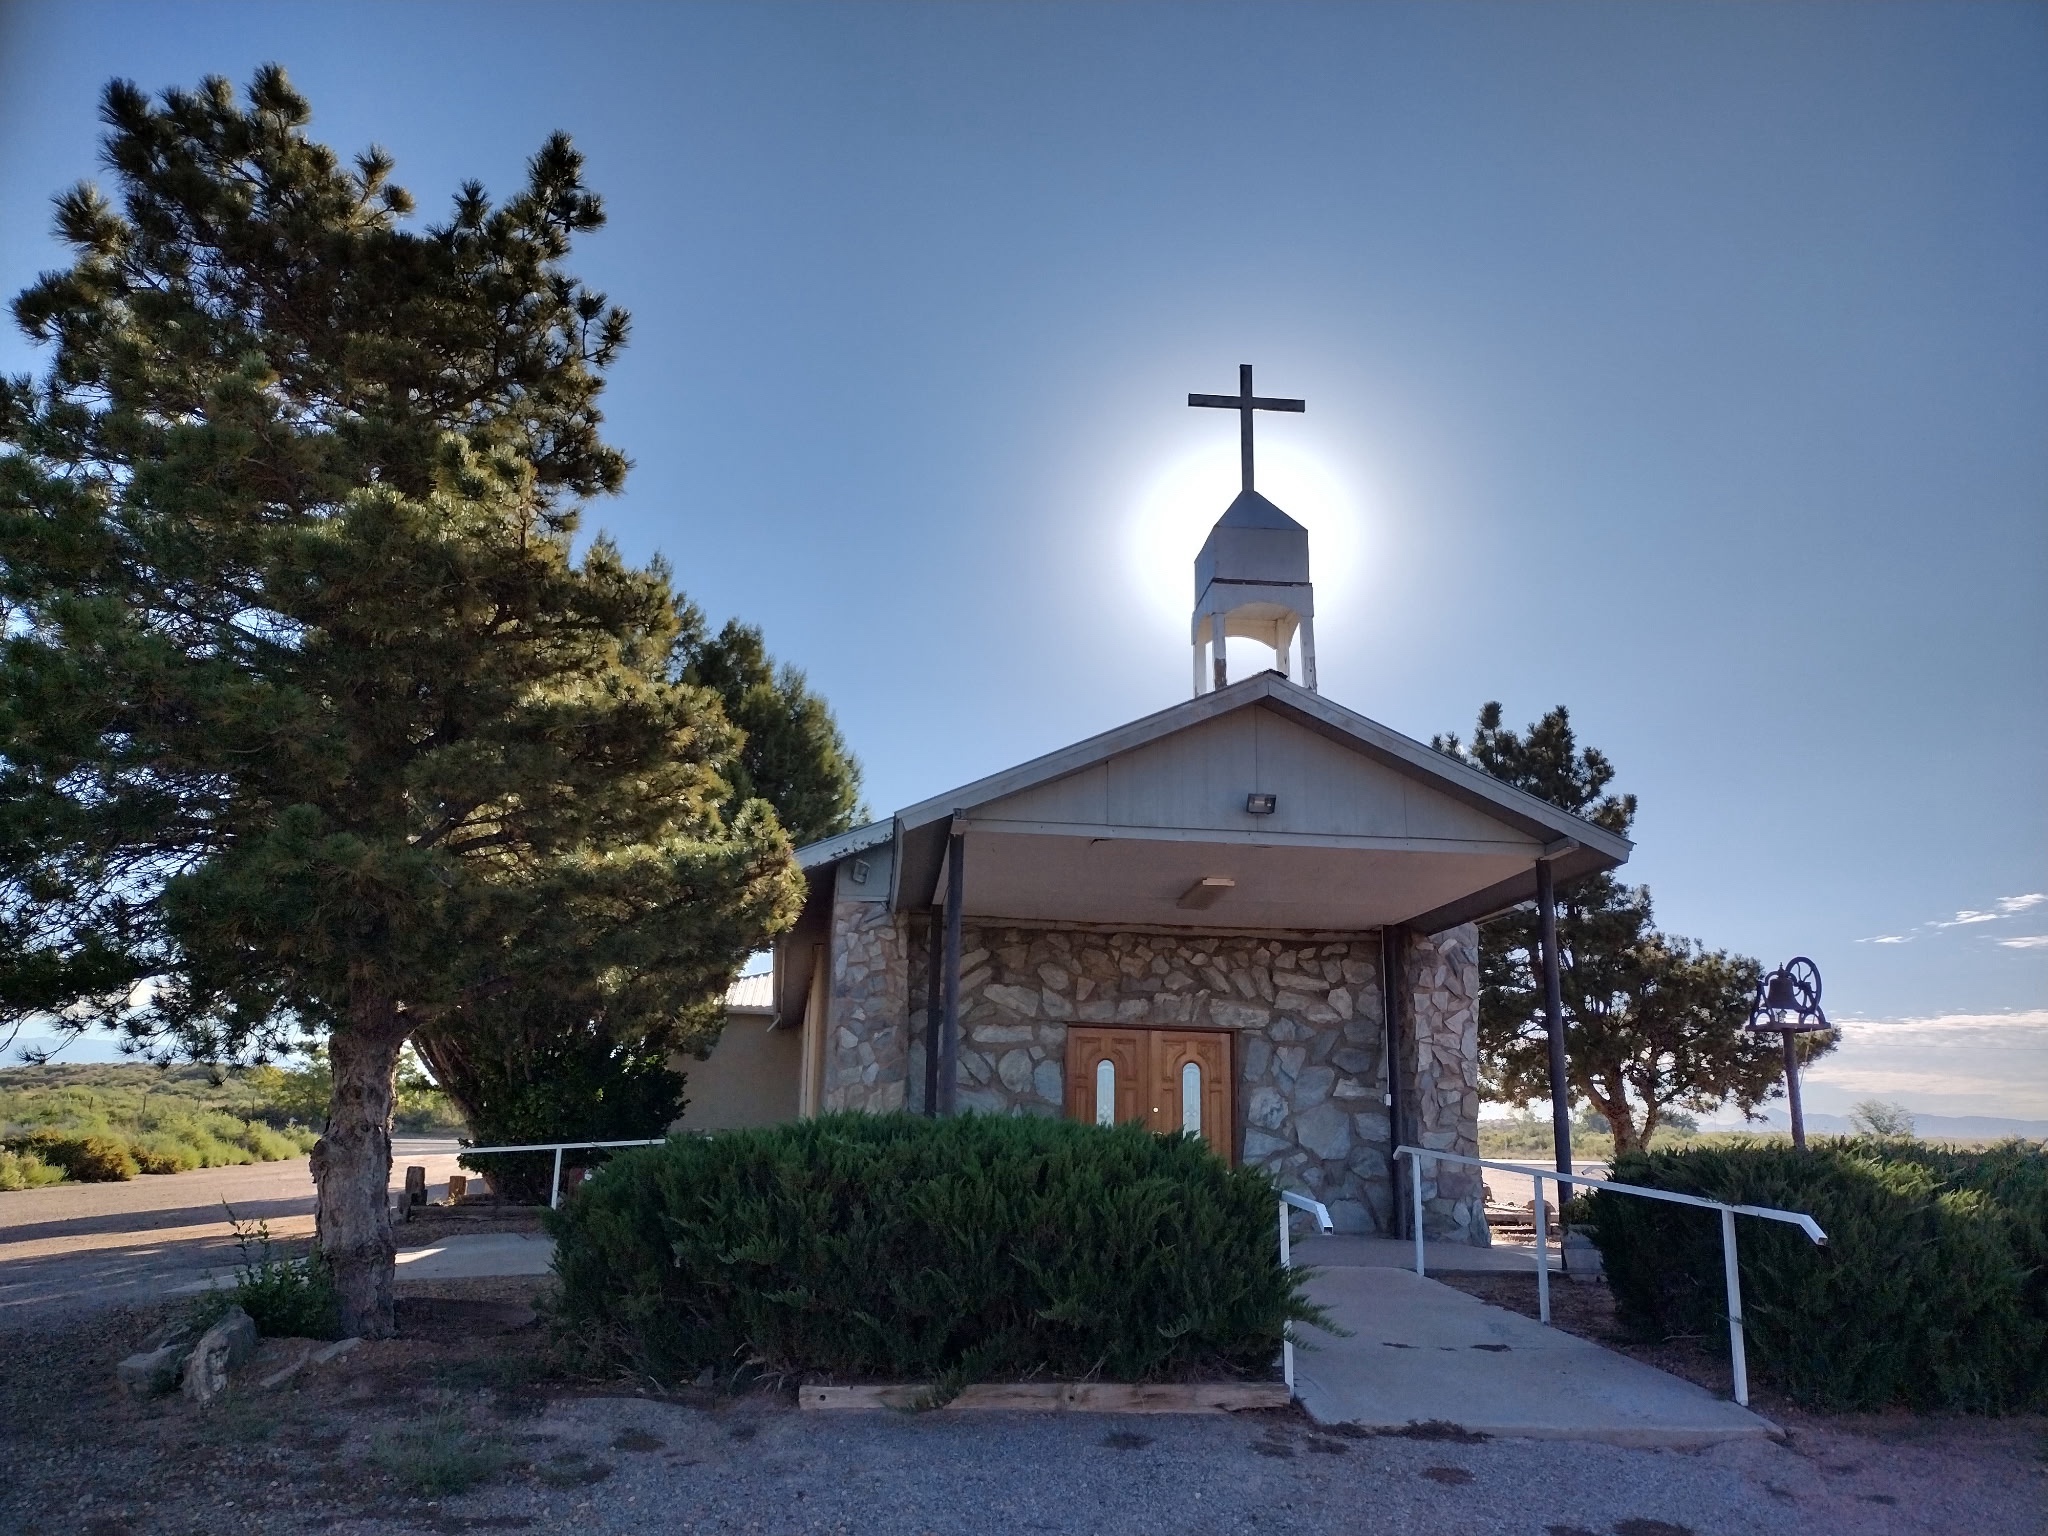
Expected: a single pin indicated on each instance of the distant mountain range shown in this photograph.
(1927, 1127)
(84, 1048)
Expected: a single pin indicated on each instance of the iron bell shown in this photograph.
(1778, 993)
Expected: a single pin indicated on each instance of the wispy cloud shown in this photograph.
(2021, 1018)
(1969, 917)
(2026, 941)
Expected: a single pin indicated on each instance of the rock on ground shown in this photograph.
(220, 1349)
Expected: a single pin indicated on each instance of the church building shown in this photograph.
(1249, 916)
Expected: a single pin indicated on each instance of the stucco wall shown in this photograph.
(750, 1077)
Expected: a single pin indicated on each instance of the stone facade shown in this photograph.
(867, 1019)
(1310, 1090)
(1440, 1044)
(1305, 1013)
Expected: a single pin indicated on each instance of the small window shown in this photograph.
(1105, 1092)
(1191, 1098)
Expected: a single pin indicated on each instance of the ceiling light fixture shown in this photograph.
(1206, 892)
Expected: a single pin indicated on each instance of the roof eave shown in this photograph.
(830, 850)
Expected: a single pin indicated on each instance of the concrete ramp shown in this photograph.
(1420, 1353)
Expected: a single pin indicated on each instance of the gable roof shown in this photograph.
(1574, 846)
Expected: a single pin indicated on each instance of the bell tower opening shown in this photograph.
(1251, 578)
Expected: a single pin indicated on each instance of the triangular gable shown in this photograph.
(1406, 757)
(1197, 778)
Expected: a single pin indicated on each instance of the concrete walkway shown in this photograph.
(1421, 1353)
(465, 1256)
(1438, 1258)
(479, 1255)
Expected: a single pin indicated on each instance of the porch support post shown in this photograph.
(935, 960)
(1553, 1014)
(1393, 962)
(949, 1019)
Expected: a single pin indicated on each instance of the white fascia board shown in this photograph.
(831, 850)
(1246, 838)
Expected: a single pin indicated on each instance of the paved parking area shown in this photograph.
(70, 1247)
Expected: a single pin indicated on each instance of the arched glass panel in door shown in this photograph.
(1191, 1098)
(1105, 1092)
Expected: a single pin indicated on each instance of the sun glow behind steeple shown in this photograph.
(1184, 499)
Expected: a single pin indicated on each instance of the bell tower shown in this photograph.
(1251, 578)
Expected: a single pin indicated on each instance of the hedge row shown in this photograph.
(906, 1249)
(198, 1141)
(1932, 1291)
(25, 1170)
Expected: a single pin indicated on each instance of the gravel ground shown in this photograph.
(332, 1452)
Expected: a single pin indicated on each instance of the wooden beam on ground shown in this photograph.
(1063, 1397)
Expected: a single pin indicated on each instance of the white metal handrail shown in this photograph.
(558, 1148)
(1730, 1273)
(1321, 1212)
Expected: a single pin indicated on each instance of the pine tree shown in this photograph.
(312, 719)
(793, 755)
(545, 1065)
(1652, 1022)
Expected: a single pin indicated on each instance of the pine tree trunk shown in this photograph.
(352, 1167)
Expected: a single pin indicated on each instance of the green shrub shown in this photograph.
(287, 1298)
(943, 1250)
(439, 1454)
(159, 1152)
(89, 1159)
(25, 1170)
(568, 1082)
(268, 1145)
(1932, 1291)
(172, 1120)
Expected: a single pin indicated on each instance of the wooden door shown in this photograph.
(1106, 1075)
(1190, 1080)
(1169, 1080)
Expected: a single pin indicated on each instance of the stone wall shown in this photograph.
(866, 1039)
(1440, 1049)
(1311, 1082)
(1306, 1012)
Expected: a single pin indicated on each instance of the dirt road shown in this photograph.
(76, 1246)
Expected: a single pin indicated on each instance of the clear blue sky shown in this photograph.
(1687, 365)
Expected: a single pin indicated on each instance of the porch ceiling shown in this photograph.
(1055, 876)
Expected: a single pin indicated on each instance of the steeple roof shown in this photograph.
(1251, 510)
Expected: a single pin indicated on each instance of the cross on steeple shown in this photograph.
(1244, 402)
